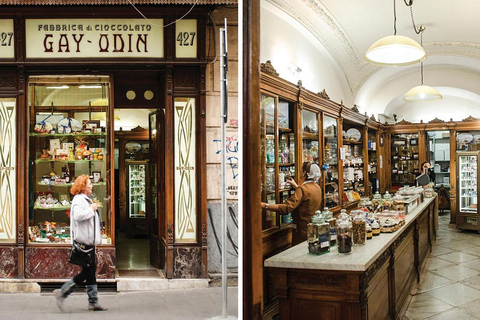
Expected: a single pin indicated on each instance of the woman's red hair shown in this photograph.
(80, 184)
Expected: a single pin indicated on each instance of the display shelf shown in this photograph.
(405, 159)
(73, 134)
(37, 161)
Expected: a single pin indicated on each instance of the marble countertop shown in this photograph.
(360, 259)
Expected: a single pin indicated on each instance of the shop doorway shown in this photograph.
(135, 213)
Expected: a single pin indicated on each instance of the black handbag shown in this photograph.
(82, 255)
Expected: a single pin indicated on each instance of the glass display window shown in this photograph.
(66, 140)
(278, 158)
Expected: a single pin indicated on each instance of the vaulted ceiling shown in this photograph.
(345, 29)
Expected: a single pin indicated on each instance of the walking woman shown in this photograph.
(84, 229)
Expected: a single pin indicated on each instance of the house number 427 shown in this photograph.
(186, 38)
(6, 39)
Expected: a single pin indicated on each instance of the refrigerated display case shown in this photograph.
(136, 195)
(467, 191)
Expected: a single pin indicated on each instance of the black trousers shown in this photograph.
(87, 274)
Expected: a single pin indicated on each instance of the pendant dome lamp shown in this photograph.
(422, 92)
(396, 50)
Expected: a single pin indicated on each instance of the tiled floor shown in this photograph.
(450, 286)
(133, 253)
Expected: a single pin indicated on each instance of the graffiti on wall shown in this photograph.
(231, 152)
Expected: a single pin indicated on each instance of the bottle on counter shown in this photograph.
(375, 228)
(398, 204)
(369, 231)
(387, 201)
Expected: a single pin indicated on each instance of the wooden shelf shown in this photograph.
(310, 136)
(352, 142)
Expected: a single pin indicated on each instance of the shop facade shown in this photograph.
(63, 81)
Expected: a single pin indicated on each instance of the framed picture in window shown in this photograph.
(90, 125)
(97, 175)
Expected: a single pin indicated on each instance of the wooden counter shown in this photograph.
(371, 283)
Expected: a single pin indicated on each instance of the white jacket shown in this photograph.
(82, 221)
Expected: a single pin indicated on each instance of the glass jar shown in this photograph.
(344, 238)
(429, 192)
(359, 229)
(327, 214)
(333, 231)
(387, 201)
(323, 238)
(312, 238)
(398, 203)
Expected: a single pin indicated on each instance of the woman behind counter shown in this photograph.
(303, 203)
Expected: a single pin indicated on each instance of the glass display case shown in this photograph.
(310, 136)
(66, 141)
(405, 162)
(467, 191)
(373, 181)
(330, 166)
(136, 195)
(353, 163)
(277, 154)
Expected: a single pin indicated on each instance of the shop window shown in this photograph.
(67, 138)
(185, 171)
(8, 147)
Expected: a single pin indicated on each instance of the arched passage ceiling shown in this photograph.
(345, 29)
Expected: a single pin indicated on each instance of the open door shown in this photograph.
(155, 192)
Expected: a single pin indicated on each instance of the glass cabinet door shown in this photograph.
(331, 161)
(467, 170)
(277, 154)
(405, 162)
(310, 137)
(68, 138)
(353, 164)
(373, 182)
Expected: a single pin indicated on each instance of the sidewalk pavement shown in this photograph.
(171, 304)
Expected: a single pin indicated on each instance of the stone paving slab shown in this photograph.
(172, 304)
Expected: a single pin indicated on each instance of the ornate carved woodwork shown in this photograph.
(268, 68)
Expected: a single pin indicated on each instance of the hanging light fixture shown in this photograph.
(395, 50)
(422, 92)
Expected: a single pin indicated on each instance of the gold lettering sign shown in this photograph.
(94, 38)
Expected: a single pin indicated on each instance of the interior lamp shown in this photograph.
(395, 50)
(422, 92)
